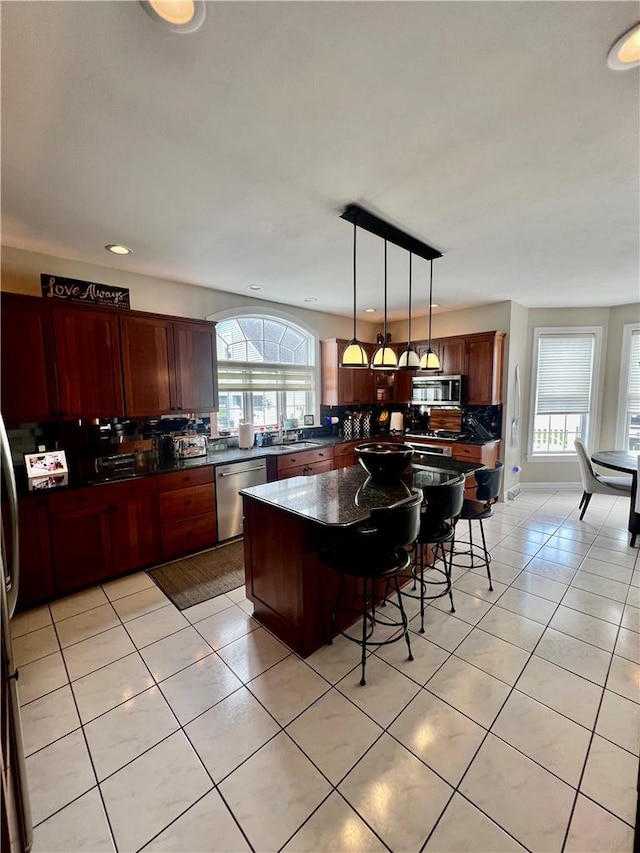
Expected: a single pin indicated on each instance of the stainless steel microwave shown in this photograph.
(436, 391)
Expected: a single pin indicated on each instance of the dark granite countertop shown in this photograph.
(86, 472)
(346, 496)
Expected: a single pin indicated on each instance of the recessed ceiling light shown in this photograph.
(370, 310)
(255, 287)
(435, 304)
(180, 16)
(625, 53)
(310, 299)
(117, 249)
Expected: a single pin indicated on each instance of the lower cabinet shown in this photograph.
(36, 574)
(487, 454)
(100, 532)
(306, 463)
(187, 511)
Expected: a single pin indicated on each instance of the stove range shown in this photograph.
(449, 434)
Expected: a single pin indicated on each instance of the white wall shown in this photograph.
(21, 274)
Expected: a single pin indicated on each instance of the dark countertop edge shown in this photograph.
(215, 458)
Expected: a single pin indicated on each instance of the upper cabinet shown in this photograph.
(343, 386)
(196, 370)
(168, 365)
(61, 360)
(29, 386)
(87, 348)
(484, 356)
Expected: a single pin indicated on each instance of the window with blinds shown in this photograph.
(266, 372)
(563, 388)
(629, 405)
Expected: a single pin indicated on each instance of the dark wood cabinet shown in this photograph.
(168, 366)
(187, 511)
(484, 356)
(452, 355)
(36, 576)
(196, 374)
(81, 545)
(101, 532)
(342, 386)
(29, 388)
(87, 345)
(147, 361)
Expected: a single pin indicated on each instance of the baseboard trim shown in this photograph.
(550, 487)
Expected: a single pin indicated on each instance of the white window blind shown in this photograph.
(249, 376)
(633, 390)
(565, 371)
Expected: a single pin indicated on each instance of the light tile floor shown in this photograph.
(517, 726)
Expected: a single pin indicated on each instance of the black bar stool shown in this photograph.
(371, 552)
(437, 526)
(488, 480)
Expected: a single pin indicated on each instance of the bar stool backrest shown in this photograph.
(488, 480)
(394, 527)
(442, 502)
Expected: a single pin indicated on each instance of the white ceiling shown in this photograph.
(492, 130)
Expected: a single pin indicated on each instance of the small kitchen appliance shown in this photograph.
(186, 446)
(436, 390)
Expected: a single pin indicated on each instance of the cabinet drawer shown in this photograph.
(184, 503)
(345, 449)
(138, 488)
(308, 457)
(190, 477)
(472, 452)
(307, 470)
(90, 496)
(192, 534)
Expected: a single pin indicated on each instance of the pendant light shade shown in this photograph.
(384, 358)
(430, 360)
(354, 354)
(409, 359)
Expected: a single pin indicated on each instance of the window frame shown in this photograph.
(592, 415)
(625, 368)
(264, 313)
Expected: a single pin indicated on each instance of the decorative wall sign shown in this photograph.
(74, 290)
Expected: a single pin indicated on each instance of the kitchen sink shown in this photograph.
(293, 445)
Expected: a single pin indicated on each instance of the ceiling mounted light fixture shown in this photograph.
(179, 16)
(430, 360)
(255, 287)
(118, 249)
(625, 53)
(355, 354)
(384, 358)
(370, 310)
(409, 359)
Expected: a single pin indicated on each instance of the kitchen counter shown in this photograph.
(286, 526)
(345, 497)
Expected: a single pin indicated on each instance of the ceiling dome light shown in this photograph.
(625, 53)
(180, 16)
(117, 249)
(310, 299)
(370, 310)
(255, 287)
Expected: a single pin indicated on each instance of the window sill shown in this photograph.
(552, 457)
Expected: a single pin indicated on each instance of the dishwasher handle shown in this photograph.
(244, 471)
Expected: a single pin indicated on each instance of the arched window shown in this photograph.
(266, 372)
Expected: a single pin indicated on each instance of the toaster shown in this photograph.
(186, 446)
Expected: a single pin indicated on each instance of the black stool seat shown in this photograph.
(371, 552)
(443, 505)
(488, 481)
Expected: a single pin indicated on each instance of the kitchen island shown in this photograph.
(286, 525)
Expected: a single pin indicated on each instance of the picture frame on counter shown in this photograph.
(46, 470)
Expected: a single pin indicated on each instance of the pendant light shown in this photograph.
(430, 360)
(409, 359)
(355, 354)
(384, 358)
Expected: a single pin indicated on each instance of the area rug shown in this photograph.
(195, 579)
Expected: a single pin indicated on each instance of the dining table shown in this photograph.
(627, 463)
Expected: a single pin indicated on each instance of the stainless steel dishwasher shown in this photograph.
(229, 480)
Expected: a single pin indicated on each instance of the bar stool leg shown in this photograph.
(487, 557)
(447, 568)
(405, 621)
(421, 588)
(364, 630)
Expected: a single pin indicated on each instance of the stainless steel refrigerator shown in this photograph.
(15, 813)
